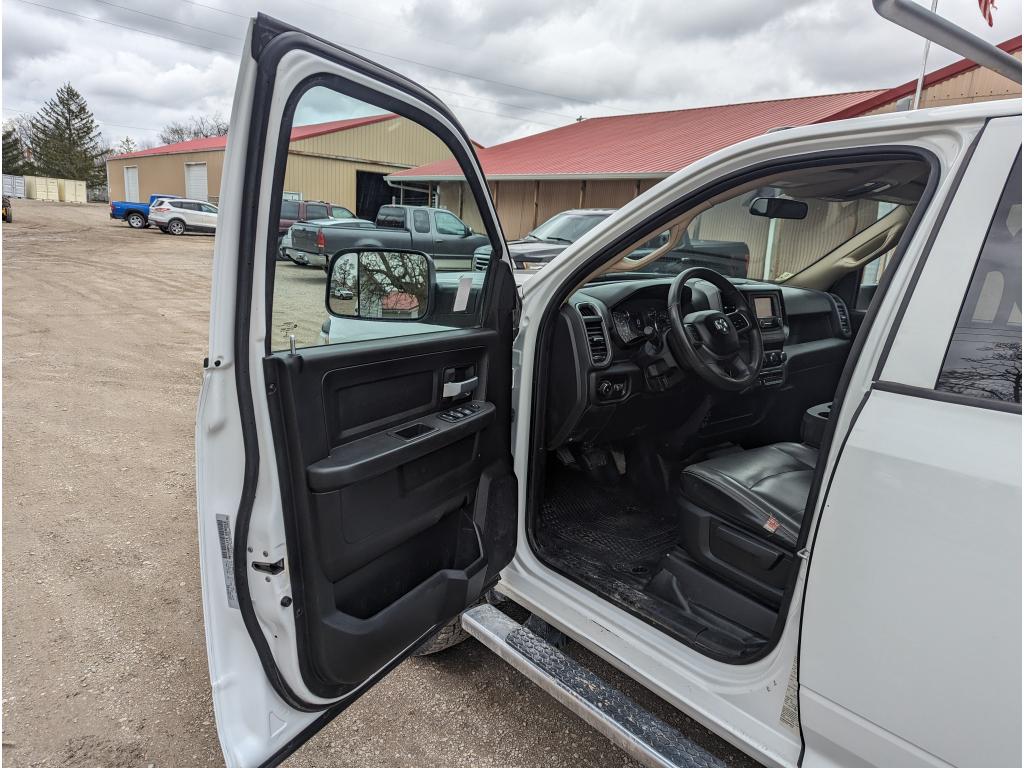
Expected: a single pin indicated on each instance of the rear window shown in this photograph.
(289, 209)
(421, 221)
(315, 211)
(389, 216)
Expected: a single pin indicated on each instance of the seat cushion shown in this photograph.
(763, 490)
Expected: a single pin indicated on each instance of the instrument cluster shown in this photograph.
(630, 321)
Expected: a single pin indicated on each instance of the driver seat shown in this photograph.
(742, 514)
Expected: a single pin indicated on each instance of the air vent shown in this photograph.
(597, 335)
(844, 316)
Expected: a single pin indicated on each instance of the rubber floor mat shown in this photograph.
(608, 523)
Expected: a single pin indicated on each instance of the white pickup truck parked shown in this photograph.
(789, 507)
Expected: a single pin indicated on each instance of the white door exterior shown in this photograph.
(910, 648)
(131, 184)
(195, 181)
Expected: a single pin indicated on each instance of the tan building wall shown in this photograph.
(978, 84)
(164, 174)
(522, 205)
(319, 168)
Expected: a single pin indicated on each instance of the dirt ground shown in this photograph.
(104, 663)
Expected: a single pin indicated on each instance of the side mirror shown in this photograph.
(778, 208)
(380, 284)
(468, 232)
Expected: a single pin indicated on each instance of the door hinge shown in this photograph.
(270, 568)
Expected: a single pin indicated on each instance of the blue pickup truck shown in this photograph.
(136, 214)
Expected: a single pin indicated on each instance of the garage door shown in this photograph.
(131, 183)
(195, 181)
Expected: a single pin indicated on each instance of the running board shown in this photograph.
(629, 726)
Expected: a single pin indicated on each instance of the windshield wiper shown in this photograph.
(558, 240)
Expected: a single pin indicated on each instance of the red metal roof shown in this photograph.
(219, 142)
(653, 144)
(907, 89)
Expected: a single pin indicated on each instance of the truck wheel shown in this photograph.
(450, 634)
(136, 220)
(176, 227)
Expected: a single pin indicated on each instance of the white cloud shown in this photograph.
(579, 57)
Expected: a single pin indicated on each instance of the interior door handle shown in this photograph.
(456, 388)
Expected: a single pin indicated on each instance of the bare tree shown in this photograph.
(195, 127)
(994, 373)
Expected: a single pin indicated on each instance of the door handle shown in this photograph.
(456, 388)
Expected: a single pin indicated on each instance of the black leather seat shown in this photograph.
(742, 513)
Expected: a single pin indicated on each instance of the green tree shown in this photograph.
(16, 158)
(125, 146)
(66, 140)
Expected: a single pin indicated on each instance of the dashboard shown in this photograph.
(613, 376)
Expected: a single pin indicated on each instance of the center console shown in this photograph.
(769, 313)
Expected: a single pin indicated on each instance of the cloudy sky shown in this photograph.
(507, 68)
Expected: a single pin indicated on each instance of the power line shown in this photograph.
(101, 122)
(413, 61)
(164, 18)
(228, 53)
(130, 29)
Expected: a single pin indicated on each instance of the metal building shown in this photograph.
(605, 162)
(342, 162)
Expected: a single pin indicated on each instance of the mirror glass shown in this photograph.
(379, 284)
(778, 208)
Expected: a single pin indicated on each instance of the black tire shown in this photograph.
(136, 220)
(176, 227)
(449, 635)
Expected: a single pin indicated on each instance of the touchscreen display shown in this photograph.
(763, 306)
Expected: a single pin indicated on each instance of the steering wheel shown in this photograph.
(723, 349)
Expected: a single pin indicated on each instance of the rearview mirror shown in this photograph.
(778, 208)
(379, 284)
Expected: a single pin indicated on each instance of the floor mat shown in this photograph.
(608, 522)
(607, 539)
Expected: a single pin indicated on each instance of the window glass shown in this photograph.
(315, 211)
(448, 225)
(984, 355)
(391, 217)
(567, 227)
(776, 228)
(357, 162)
(421, 222)
(209, 208)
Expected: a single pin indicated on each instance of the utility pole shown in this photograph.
(924, 66)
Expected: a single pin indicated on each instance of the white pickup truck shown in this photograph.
(790, 507)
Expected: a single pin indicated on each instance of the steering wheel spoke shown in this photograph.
(741, 321)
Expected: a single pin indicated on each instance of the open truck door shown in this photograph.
(355, 497)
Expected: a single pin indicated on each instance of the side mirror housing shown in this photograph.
(380, 284)
(778, 208)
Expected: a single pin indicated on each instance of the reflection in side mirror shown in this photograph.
(778, 208)
(376, 284)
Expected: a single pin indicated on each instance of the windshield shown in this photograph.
(567, 227)
(338, 212)
(774, 231)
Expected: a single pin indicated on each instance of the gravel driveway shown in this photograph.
(103, 653)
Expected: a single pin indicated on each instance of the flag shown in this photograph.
(986, 7)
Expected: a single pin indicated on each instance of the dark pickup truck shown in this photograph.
(544, 243)
(435, 231)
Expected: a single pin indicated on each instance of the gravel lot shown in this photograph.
(103, 652)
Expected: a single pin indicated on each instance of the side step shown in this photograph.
(629, 726)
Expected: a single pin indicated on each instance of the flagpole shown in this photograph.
(924, 66)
